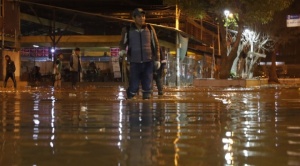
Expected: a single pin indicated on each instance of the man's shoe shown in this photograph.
(146, 96)
(160, 93)
(129, 95)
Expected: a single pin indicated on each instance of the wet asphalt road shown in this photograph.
(189, 126)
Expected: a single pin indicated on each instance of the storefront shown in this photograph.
(37, 65)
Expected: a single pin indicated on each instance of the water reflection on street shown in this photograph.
(187, 126)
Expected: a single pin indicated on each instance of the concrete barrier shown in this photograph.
(229, 82)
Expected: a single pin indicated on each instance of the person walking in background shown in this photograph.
(10, 71)
(75, 67)
(142, 54)
(57, 71)
(160, 73)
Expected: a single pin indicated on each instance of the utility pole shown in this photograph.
(177, 48)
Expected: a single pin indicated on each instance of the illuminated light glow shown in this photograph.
(83, 108)
(228, 134)
(228, 156)
(35, 121)
(290, 153)
(52, 113)
(102, 129)
(52, 50)
(120, 119)
(35, 107)
(226, 13)
(294, 142)
(51, 144)
(225, 101)
(245, 152)
(35, 136)
(229, 162)
(248, 144)
(293, 127)
(121, 88)
(227, 140)
(226, 147)
(121, 96)
(270, 63)
(52, 137)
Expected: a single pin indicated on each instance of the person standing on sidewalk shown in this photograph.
(57, 71)
(142, 54)
(161, 72)
(10, 71)
(75, 67)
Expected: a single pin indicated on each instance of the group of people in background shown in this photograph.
(75, 68)
(145, 57)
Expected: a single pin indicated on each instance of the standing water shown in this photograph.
(190, 126)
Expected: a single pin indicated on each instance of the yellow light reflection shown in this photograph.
(120, 123)
(120, 95)
(176, 147)
(228, 148)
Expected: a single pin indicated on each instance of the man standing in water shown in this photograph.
(10, 71)
(75, 67)
(142, 54)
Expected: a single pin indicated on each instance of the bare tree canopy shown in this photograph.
(246, 14)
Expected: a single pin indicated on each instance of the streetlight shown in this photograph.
(52, 53)
(226, 12)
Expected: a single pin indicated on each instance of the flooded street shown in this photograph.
(186, 127)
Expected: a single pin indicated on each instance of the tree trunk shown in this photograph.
(227, 61)
(272, 74)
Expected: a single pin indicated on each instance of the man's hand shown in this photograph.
(122, 52)
(165, 71)
(156, 65)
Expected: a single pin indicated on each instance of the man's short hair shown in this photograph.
(138, 12)
(77, 49)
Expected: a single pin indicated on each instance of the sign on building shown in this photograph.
(293, 21)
